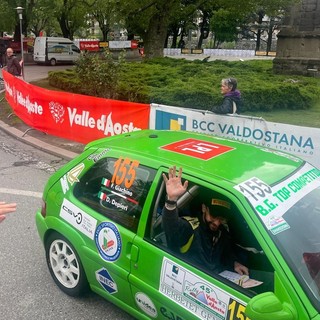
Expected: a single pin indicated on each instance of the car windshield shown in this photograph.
(300, 242)
(290, 210)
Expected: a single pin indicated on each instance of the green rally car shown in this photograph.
(101, 226)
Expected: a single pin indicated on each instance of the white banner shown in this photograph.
(303, 142)
(119, 44)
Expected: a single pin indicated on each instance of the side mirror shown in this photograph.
(266, 306)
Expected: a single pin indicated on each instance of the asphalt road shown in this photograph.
(34, 72)
(27, 291)
(37, 72)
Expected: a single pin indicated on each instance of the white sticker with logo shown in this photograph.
(78, 218)
(108, 241)
(200, 297)
(272, 202)
(146, 304)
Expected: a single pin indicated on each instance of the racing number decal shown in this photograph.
(122, 173)
(255, 188)
(258, 190)
(236, 311)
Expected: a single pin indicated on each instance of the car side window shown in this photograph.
(246, 248)
(75, 48)
(117, 189)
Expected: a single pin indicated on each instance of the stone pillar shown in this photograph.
(298, 45)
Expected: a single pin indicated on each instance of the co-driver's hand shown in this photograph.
(241, 269)
(174, 186)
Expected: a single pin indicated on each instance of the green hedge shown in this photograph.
(190, 84)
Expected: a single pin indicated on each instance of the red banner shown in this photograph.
(73, 116)
(92, 45)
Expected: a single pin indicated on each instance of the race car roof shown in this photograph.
(205, 154)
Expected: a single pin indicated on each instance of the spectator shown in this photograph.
(13, 65)
(231, 98)
(6, 208)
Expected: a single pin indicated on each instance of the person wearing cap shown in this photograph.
(231, 98)
(204, 239)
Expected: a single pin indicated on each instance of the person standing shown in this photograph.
(231, 98)
(13, 65)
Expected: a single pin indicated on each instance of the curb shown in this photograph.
(41, 145)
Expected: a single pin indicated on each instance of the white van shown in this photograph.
(53, 50)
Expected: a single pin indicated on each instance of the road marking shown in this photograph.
(21, 192)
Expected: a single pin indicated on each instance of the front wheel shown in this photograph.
(65, 266)
(53, 62)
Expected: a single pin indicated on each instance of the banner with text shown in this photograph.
(73, 116)
(301, 141)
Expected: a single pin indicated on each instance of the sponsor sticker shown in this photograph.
(108, 241)
(71, 177)
(198, 296)
(197, 148)
(146, 305)
(271, 202)
(106, 281)
(78, 218)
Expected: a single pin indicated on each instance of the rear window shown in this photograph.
(117, 189)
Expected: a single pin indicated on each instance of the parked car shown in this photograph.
(100, 224)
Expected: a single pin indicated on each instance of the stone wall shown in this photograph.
(298, 47)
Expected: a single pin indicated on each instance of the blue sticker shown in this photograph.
(106, 281)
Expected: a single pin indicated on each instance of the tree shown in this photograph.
(224, 25)
(7, 16)
(273, 10)
(71, 15)
(41, 13)
(150, 19)
(153, 20)
(105, 12)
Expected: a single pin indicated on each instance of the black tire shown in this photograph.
(65, 266)
(53, 62)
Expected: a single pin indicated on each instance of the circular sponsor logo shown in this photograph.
(108, 241)
(146, 305)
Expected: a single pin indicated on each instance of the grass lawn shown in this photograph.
(304, 118)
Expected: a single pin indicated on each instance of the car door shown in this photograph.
(74, 52)
(112, 192)
(164, 284)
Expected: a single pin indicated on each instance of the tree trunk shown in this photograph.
(63, 25)
(270, 33)
(175, 37)
(260, 18)
(204, 29)
(155, 37)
